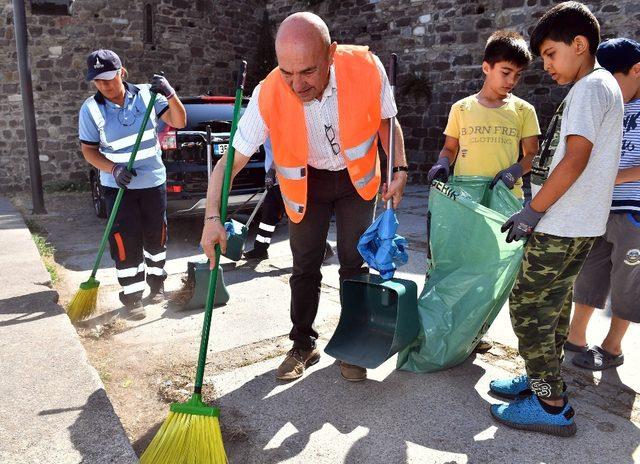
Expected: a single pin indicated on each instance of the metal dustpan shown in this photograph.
(379, 314)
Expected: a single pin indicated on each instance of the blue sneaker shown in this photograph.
(528, 414)
(511, 388)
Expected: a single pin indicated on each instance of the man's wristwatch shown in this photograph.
(212, 218)
(401, 168)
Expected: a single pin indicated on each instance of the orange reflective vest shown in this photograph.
(359, 113)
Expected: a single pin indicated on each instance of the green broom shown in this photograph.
(191, 434)
(85, 300)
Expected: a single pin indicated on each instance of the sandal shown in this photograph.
(597, 359)
(575, 348)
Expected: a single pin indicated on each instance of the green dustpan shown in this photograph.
(199, 272)
(379, 318)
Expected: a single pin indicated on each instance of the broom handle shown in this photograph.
(392, 125)
(226, 184)
(116, 204)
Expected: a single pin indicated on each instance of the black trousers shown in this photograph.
(272, 212)
(328, 193)
(138, 239)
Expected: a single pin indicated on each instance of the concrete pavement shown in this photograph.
(54, 406)
(394, 417)
(443, 417)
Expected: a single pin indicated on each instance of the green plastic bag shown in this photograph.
(471, 272)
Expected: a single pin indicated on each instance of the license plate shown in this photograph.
(220, 148)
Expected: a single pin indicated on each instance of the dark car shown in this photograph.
(184, 153)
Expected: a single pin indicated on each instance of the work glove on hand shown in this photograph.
(161, 85)
(509, 176)
(270, 179)
(521, 224)
(122, 175)
(440, 170)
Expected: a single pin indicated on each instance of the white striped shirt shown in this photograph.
(626, 197)
(319, 114)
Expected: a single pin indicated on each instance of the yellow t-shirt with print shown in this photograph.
(489, 138)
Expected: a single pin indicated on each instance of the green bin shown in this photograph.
(236, 240)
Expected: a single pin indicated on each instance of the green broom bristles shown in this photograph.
(84, 301)
(190, 435)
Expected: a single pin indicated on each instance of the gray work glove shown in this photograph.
(439, 171)
(161, 85)
(270, 179)
(521, 224)
(509, 176)
(122, 175)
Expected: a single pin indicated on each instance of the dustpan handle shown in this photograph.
(393, 65)
(255, 210)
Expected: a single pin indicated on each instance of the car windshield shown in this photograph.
(218, 115)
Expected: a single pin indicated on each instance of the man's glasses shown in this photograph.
(331, 137)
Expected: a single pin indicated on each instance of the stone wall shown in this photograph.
(439, 46)
(198, 45)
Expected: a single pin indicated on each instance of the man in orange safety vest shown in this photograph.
(325, 107)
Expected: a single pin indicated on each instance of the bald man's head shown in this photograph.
(305, 54)
(303, 27)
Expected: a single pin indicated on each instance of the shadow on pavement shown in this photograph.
(94, 432)
(387, 414)
(29, 308)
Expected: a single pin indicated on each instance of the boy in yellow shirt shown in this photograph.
(485, 131)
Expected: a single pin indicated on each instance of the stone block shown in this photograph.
(55, 52)
(512, 3)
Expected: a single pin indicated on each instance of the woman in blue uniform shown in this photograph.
(108, 126)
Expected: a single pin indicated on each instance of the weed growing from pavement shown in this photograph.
(46, 249)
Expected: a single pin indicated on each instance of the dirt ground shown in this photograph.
(147, 365)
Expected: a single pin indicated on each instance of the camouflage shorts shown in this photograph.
(540, 306)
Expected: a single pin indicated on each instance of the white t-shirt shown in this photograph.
(594, 110)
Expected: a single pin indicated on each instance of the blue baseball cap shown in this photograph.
(618, 54)
(102, 64)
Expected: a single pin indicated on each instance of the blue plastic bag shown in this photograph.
(381, 248)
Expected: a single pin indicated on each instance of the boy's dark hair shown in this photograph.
(563, 23)
(507, 46)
